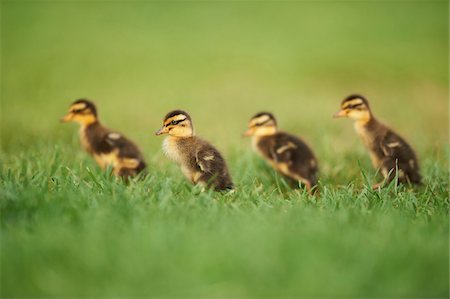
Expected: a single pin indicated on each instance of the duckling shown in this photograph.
(389, 152)
(286, 153)
(200, 162)
(109, 148)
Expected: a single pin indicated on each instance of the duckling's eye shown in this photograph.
(263, 123)
(176, 122)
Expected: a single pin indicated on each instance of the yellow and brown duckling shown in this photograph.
(389, 152)
(200, 162)
(109, 148)
(288, 154)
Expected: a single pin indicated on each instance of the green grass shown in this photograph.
(68, 234)
(69, 230)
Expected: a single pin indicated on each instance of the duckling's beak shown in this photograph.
(341, 113)
(161, 131)
(248, 133)
(66, 118)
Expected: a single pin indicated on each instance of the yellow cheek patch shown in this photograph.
(264, 130)
(84, 119)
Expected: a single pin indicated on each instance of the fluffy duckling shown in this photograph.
(389, 152)
(109, 148)
(200, 162)
(288, 154)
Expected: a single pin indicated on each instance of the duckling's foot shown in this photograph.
(377, 186)
(307, 184)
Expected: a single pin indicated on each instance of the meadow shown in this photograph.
(71, 230)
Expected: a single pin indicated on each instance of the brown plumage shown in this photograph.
(288, 154)
(200, 162)
(107, 147)
(389, 152)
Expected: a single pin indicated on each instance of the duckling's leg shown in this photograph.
(387, 178)
(306, 183)
(378, 185)
(308, 186)
(390, 170)
(299, 175)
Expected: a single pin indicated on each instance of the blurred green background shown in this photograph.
(69, 232)
(223, 62)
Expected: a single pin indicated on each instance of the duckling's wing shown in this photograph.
(398, 153)
(110, 141)
(276, 148)
(126, 148)
(104, 141)
(290, 149)
(129, 153)
(283, 151)
(206, 158)
(393, 145)
(113, 139)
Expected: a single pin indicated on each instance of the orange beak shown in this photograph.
(68, 117)
(340, 113)
(249, 132)
(161, 131)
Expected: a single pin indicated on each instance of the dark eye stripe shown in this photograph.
(175, 122)
(354, 106)
(262, 123)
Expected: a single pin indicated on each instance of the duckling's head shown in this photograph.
(355, 107)
(81, 111)
(177, 123)
(262, 124)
